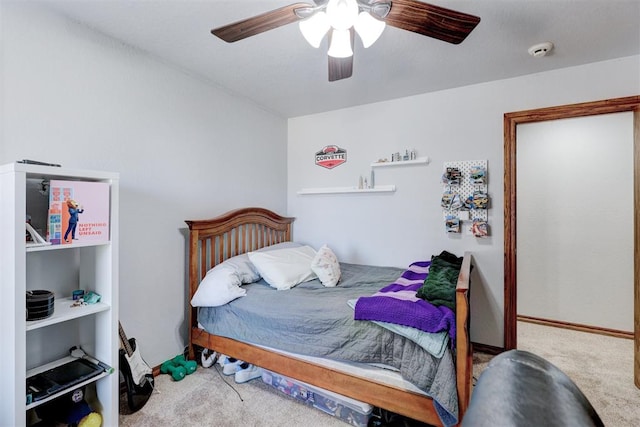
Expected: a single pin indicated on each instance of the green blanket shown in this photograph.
(439, 287)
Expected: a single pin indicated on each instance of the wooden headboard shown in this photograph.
(211, 241)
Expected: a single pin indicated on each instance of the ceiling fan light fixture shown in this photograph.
(342, 14)
(368, 28)
(314, 28)
(340, 46)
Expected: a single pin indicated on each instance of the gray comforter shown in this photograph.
(317, 321)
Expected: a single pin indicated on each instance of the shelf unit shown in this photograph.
(30, 347)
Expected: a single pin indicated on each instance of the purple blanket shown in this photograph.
(397, 303)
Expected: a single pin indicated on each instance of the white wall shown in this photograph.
(182, 147)
(575, 220)
(72, 96)
(459, 124)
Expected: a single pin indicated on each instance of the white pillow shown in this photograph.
(243, 267)
(222, 283)
(220, 286)
(326, 266)
(282, 245)
(285, 268)
(247, 272)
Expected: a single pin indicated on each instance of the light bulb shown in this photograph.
(342, 13)
(368, 28)
(340, 44)
(314, 28)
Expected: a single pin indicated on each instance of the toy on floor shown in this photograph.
(189, 365)
(177, 372)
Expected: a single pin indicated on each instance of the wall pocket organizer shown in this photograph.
(465, 199)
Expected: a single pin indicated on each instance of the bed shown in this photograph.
(244, 230)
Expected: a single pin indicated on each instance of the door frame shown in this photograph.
(511, 121)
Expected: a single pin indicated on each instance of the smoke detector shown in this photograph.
(540, 49)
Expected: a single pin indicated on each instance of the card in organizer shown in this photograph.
(349, 410)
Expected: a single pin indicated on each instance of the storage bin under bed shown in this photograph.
(349, 410)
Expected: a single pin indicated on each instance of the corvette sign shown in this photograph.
(331, 156)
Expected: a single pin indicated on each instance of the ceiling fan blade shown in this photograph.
(430, 20)
(341, 68)
(260, 23)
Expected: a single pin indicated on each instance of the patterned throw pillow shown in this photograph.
(326, 266)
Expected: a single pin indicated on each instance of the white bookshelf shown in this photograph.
(29, 347)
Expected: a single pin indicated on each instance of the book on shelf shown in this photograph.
(78, 212)
(34, 239)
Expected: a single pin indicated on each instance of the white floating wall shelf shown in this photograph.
(338, 190)
(418, 161)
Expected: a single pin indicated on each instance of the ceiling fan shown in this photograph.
(341, 19)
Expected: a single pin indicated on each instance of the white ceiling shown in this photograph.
(281, 72)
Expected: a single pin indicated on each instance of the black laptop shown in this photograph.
(44, 384)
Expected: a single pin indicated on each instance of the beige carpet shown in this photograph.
(203, 399)
(207, 398)
(601, 366)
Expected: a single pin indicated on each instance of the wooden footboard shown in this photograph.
(213, 241)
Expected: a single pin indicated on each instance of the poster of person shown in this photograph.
(78, 211)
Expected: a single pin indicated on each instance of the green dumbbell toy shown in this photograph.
(189, 365)
(177, 372)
